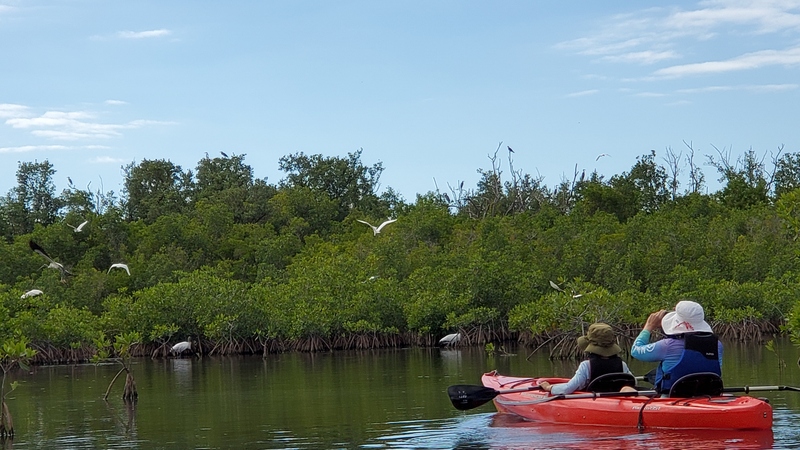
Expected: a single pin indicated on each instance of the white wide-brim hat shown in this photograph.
(688, 317)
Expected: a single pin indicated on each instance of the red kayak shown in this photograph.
(725, 412)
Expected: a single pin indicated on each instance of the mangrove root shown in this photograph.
(6, 423)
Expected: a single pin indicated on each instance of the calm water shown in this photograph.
(370, 400)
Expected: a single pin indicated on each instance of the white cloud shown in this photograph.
(753, 88)
(583, 93)
(144, 122)
(107, 160)
(763, 16)
(115, 102)
(645, 57)
(655, 35)
(755, 60)
(69, 125)
(32, 148)
(10, 110)
(143, 34)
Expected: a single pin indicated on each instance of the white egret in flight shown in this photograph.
(119, 266)
(52, 264)
(376, 230)
(32, 293)
(79, 228)
(601, 155)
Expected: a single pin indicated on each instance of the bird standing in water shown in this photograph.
(450, 339)
(181, 347)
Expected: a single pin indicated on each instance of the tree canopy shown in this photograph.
(248, 266)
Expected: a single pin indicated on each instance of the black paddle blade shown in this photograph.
(465, 396)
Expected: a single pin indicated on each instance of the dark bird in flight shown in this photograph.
(52, 264)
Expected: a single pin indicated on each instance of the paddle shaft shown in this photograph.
(601, 395)
(747, 389)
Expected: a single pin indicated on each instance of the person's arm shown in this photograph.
(577, 382)
(642, 349)
(625, 368)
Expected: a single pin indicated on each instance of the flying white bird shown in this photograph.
(52, 264)
(376, 230)
(79, 228)
(450, 339)
(181, 347)
(372, 278)
(601, 155)
(555, 286)
(119, 266)
(32, 293)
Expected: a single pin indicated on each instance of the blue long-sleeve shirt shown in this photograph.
(578, 381)
(666, 351)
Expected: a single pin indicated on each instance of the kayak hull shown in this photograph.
(723, 413)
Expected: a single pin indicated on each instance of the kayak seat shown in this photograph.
(611, 382)
(697, 385)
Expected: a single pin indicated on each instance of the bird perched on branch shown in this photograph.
(376, 230)
(52, 264)
(32, 293)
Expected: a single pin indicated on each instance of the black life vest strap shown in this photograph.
(601, 365)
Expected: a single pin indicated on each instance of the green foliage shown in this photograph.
(345, 181)
(228, 258)
(154, 188)
(15, 352)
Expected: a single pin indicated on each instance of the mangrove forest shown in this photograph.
(244, 266)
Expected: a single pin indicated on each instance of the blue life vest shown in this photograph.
(700, 354)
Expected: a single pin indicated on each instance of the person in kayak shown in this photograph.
(603, 358)
(690, 346)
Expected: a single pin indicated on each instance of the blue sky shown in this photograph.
(428, 88)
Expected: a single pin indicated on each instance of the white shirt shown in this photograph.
(579, 381)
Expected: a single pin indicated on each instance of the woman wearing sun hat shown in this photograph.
(601, 346)
(690, 345)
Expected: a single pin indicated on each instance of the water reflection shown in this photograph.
(368, 399)
(181, 372)
(495, 431)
